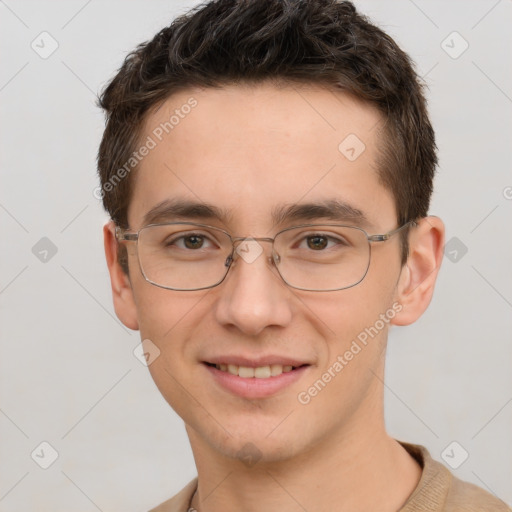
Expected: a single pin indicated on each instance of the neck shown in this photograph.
(354, 471)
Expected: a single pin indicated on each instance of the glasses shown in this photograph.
(186, 256)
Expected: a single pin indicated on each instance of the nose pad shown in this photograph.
(274, 259)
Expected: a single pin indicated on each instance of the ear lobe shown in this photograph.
(418, 277)
(122, 293)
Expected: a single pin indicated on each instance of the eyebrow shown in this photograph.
(180, 209)
(334, 210)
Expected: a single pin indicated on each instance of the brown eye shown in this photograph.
(189, 241)
(193, 241)
(317, 242)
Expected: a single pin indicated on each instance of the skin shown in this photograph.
(247, 149)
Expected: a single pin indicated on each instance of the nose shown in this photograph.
(253, 296)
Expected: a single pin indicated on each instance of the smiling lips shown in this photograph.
(255, 380)
(258, 368)
(259, 372)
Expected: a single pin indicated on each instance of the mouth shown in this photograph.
(258, 372)
(257, 381)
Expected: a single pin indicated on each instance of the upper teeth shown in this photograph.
(261, 372)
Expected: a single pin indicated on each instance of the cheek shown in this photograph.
(352, 333)
(170, 319)
(353, 324)
(165, 315)
(341, 316)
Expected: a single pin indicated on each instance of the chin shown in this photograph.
(252, 452)
(256, 444)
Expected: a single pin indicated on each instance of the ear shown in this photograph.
(122, 293)
(417, 279)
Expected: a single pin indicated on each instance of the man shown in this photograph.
(268, 168)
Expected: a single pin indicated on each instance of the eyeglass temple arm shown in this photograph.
(387, 236)
(122, 235)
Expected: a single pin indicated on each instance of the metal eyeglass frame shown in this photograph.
(123, 235)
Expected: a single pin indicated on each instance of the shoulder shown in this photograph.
(179, 502)
(471, 498)
(440, 491)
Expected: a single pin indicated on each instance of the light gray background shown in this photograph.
(68, 373)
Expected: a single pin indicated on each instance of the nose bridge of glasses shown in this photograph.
(249, 249)
(239, 239)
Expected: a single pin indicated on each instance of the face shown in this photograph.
(249, 150)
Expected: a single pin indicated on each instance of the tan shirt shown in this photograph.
(437, 491)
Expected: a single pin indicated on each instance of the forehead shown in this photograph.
(251, 149)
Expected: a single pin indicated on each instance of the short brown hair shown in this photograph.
(310, 41)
